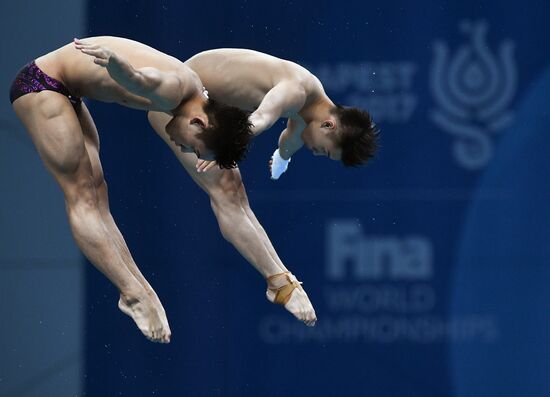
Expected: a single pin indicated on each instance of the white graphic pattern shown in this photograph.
(473, 91)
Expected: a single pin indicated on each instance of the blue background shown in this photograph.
(488, 228)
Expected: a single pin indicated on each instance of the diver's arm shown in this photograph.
(284, 99)
(290, 142)
(163, 89)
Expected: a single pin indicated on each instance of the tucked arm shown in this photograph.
(290, 142)
(165, 90)
(286, 98)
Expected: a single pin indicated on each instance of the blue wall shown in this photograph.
(410, 262)
(41, 269)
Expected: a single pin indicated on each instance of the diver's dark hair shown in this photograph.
(228, 135)
(357, 135)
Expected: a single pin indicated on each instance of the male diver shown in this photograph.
(271, 88)
(47, 97)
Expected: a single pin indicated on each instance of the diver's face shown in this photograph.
(184, 132)
(320, 138)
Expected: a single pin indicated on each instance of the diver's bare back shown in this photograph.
(86, 79)
(242, 78)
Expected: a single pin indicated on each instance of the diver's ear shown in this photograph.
(330, 124)
(198, 121)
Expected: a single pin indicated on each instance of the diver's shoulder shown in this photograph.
(227, 52)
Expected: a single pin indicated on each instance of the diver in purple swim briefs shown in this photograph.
(46, 96)
(31, 79)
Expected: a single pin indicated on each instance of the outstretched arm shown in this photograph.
(164, 89)
(285, 99)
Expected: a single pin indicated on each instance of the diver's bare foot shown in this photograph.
(156, 301)
(285, 289)
(148, 316)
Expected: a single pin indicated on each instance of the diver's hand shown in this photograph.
(277, 165)
(205, 165)
(101, 55)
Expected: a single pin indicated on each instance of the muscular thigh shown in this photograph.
(91, 141)
(55, 131)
